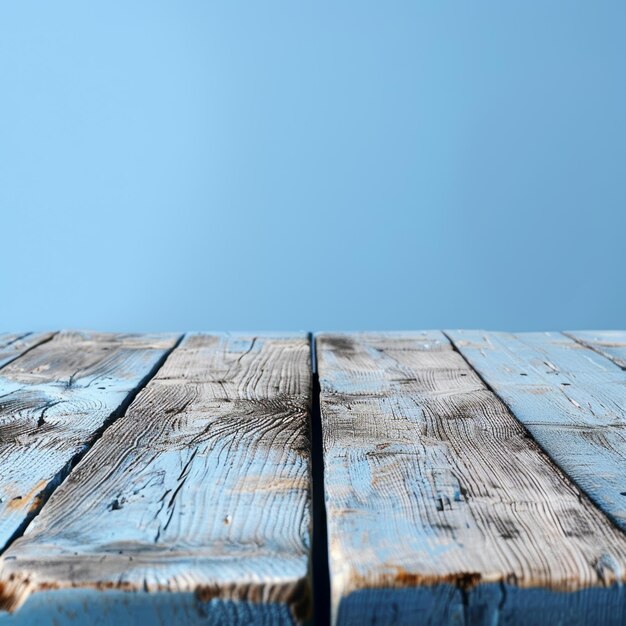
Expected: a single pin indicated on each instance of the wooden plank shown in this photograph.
(609, 343)
(440, 509)
(13, 345)
(53, 400)
(571, 399)
(199, 494)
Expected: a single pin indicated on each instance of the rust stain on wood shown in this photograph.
(30, 500)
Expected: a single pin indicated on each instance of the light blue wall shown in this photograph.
(401, 164)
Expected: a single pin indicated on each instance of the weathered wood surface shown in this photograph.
(570, 398)
(610, 343)
(199, 494)
(13, 345)
(53, 400)
(441, 510)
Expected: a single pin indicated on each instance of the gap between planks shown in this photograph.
(610, 344)
(570, 399)
(319, 556)
(16, 345)
(30, 341)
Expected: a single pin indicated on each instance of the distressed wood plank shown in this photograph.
(441, 510)
(13, 345)
(571, 399)
(53, 400)
(201, 490)
(609, 343)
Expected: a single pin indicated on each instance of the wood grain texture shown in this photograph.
(441, 510)
(609, 343)
(53, 400)
(13, 345)
(570, 398)
(201, 490)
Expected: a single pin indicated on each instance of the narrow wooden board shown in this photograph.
(53, 400)
(609, 343)
(202, 491)
(441, 510)
(570, 398)
(13, 345)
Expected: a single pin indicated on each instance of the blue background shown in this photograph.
(212, 165)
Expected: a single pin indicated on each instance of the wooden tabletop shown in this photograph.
(457, 477)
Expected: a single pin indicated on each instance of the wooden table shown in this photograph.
(458, 477)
